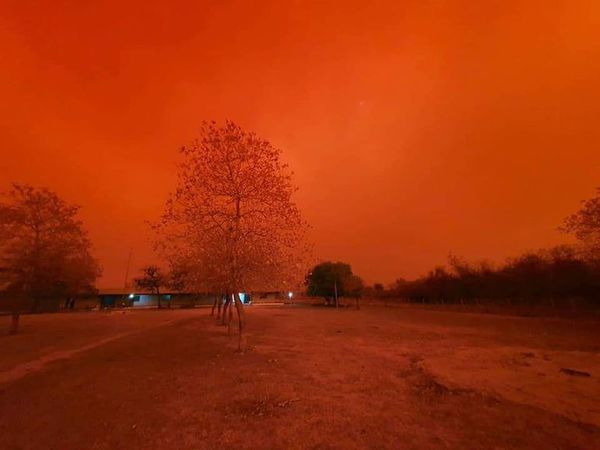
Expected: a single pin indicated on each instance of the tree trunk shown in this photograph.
(212, 311)
(14, 323)
(219, 306)
(158, 296)
(230, 318)
(239, 307)
(337, 305)
(225, 307)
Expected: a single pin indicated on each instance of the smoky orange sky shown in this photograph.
(415, 128)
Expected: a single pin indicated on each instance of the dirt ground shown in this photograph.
(311, 377)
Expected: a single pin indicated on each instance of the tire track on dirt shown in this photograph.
(37, 365)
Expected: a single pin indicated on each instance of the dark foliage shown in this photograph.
(553, 276)
(327, 277)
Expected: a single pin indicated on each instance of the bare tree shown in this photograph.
(585, 225)
(153, 280)
(44, 251)
(232, 221)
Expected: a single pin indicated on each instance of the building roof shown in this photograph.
(136, 291)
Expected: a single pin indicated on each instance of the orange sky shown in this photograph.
(415, 128)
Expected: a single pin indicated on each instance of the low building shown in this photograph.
(132, 298)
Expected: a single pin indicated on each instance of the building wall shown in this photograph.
(179, 300)
(147, 300)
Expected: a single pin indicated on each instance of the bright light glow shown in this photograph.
(290, 294)
(131, 295)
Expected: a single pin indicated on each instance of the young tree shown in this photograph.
(232, 221)
(153, 280)
(585, 225)
(44, 250)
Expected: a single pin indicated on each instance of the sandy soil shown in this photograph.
(311, 378)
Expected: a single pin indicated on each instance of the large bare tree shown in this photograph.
(44, 250)
(232, 222)
(585, 225)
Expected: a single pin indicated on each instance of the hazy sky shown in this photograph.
(415, 128)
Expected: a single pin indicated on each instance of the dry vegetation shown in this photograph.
(311, 378)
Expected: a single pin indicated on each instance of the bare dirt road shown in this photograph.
(311, 378)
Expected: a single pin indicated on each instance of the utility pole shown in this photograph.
(127, 268)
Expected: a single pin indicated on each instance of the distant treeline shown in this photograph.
(560, 276)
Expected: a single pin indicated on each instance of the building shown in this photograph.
(132, 298)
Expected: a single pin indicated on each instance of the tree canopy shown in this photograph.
(585, 224)
(328, 277)
(44, 250)
(232, 224)
(554, 275)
